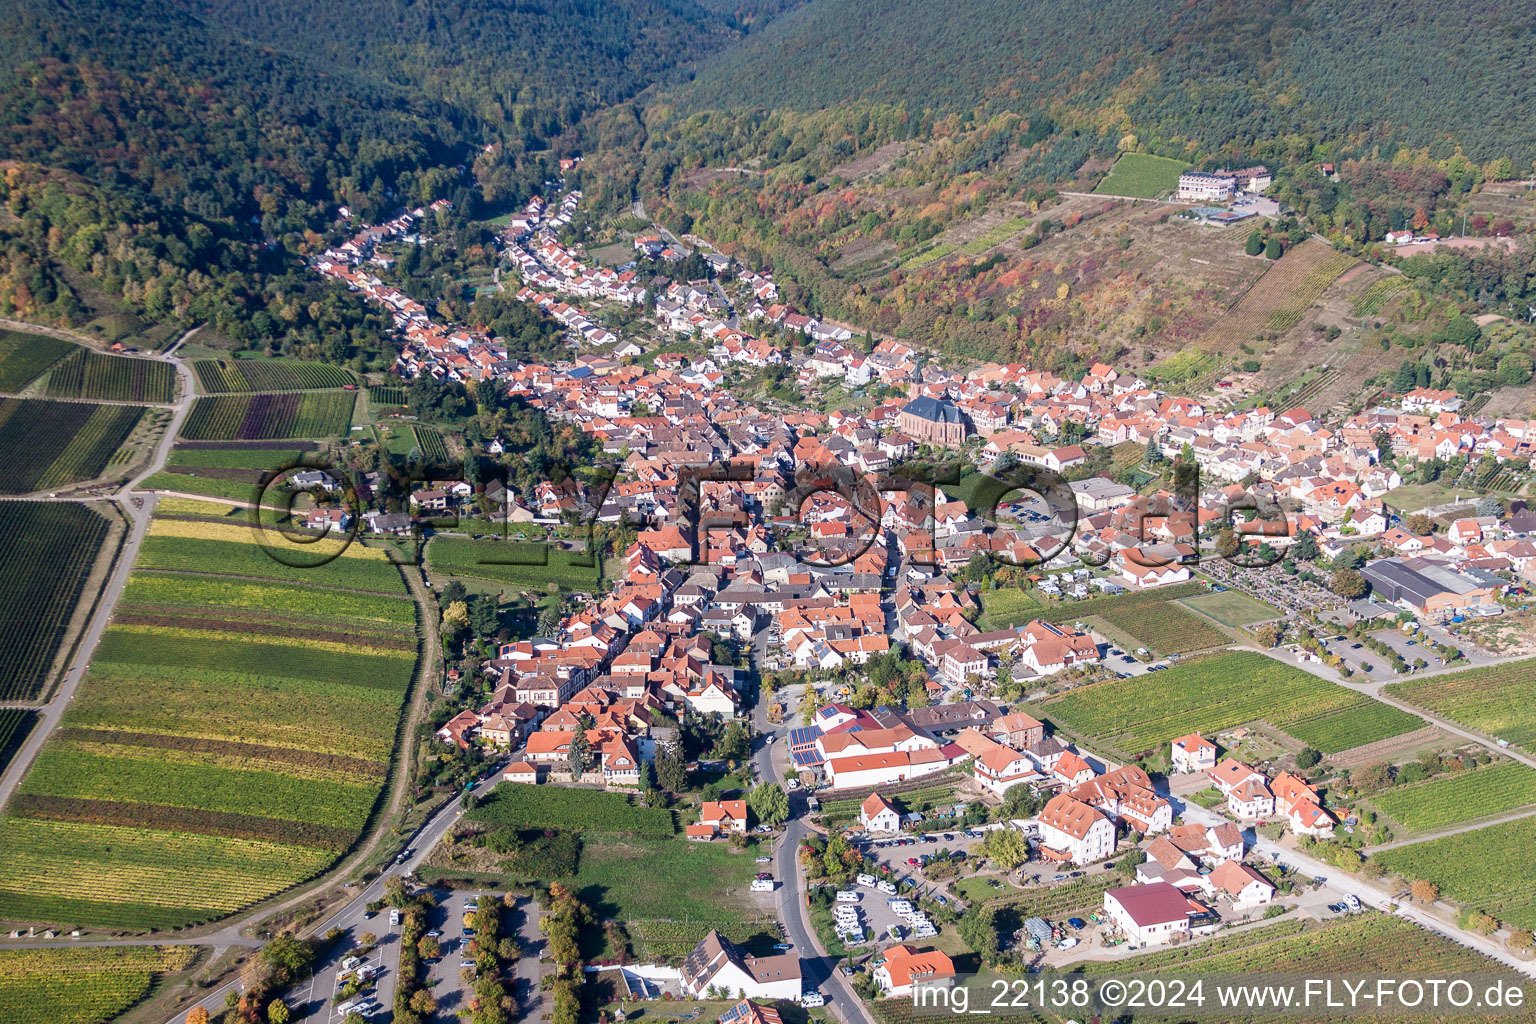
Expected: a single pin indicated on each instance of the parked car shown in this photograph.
(813, 999)
(765, 860)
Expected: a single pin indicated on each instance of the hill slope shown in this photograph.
(1219, 75)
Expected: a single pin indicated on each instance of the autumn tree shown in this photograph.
(1347, 583)
(1425, 892)
(197, 1015)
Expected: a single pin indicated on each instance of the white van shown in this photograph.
(866, 880)
(394, 918)
(847, 896)
(762, 885)
(887, 888)
(348, 1007)
(813, 999)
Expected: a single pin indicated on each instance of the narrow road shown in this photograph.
(1458, 830)
(818, 971)
(136, 510)
(1344, 883)
(350, 917)
(1373, 689)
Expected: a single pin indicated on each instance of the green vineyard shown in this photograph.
(265, 417)
(90, 374)
(221, 376)
(58, 443)
(44, 564)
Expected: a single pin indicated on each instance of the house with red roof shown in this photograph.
(904, 969)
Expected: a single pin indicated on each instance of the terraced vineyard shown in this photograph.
(221, 376)
(268, 417)
(1128, 716)
(1497, 700)
(1463, 796)
(90, 374)
(1374, 299)
(1487, 868)
(82, 986)
(51, 444)
(1278, 299)
(1058, 901)
(47, 556)
(26, 357)
(230, 740)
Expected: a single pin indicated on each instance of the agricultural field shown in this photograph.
(92, 374)
(1232, 608)
(58, 443)
(229, 548)
(222, 376)
(1008, 607)
(1142, 175)
(586, 810)
(924, 257)
(1450, 799)
(1144, 713)
(534, 564)
(1278, 299)
(688, 888)
(230, 740)
(1375, 298)
(386, 397)
(1498, 700)
(47, 557)
(1488, 869)
(26, 357)
(1153, 618)
(14, 727)
(1364, 944)
(241, 457)
(264, 417)
(89, 985)
(923, 800)
(1057, 901)
(431, 444)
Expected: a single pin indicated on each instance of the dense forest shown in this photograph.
(1186, 78)
(179, 157)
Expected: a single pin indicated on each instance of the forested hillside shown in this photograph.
(179, 153)
(1205, 77)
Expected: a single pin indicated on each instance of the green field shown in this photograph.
(533, 564)
(58, 443)
(48, 553)
(1128, 716)
(25, 357)
(230, 740)
(236, 458)
(1142, 175)
(586, 810)
(1450, 799)
(1232, 608)
(1008, 607)
(91, 374)
(1487, 868)
(82, 986)
(1369, 943)
(265, 417)
(227, 548)
(687, 888)
(220, 376)
(1153, 618)
(1498, 700)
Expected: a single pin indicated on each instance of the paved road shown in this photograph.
(1343, 883)
(136, 509)
(817, 968)
(1373, 689)
(1442, 833)
(350, 918)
